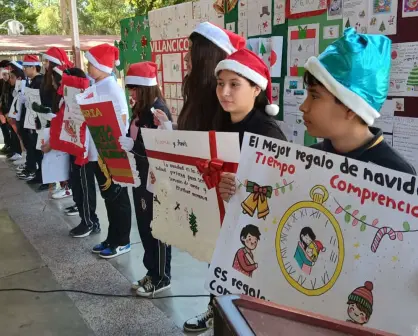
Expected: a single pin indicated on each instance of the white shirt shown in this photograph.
(109, 87)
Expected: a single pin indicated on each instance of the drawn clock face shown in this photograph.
(310, 246)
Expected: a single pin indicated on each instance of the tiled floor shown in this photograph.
(43, 223)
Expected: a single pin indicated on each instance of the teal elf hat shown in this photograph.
(356, 70)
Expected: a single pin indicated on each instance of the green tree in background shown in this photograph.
(21, 11)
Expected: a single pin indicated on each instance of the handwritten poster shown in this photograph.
(279, 12)
(322, 233)
(303, 42)
(355, 15)
(55, 164)
(105, 128)
(404, 70)
(409, 8)
(383, 17)
(385, 121)
(243, 18)
(32, 96)
(16, 108)
(184, 170)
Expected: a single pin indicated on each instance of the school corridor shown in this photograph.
(37, 253)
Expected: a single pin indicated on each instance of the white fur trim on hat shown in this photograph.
(31, 63)
(216, 35)
(272, 110)
(17, 65)
(97, 65)
(117, 62)
(243, 70)
(52, 59)
(136, 80)
(58, 71)
(357, 104)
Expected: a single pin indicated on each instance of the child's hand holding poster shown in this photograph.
(106, 128)
(185, 169)
(322, 233)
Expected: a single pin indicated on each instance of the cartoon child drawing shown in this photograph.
(307, 250)
(244, 258)
(360, 304)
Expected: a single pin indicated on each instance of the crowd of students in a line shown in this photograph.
(228, 89)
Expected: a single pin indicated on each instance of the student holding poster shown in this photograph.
(348, 111)
(102, 59)
(141, 81)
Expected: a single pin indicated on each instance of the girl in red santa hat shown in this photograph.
(101, 61)
(141, 81)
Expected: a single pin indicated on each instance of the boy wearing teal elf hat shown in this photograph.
(347, 85)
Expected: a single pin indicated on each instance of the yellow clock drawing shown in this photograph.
(310, 245)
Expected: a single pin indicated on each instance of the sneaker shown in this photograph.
(18, 163)
(100, 247)
(62, 193)
(26, 176)
(141, 283)
(149, 289)
(42, 187)
(82, 230)
(5, 149)
(20, 168)
(201, 322)
(112, 252)
(15, 157)
(9, 155)
(71, 211)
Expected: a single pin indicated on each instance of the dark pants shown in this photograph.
(84, 191)
(118, 207)
(34, 156)
(157, 255)
(15, 142)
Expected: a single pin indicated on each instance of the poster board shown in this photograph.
(32, 96)
(55, 164)
(184, 170)
(322, 233)
(105, 128)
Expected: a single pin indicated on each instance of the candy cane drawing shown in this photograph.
(379, 236)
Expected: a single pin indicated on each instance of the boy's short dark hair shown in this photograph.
(310, 80)
(252, 230)
(18, 73)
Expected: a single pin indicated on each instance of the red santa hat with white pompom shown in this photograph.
(104, 57)
(247, 64)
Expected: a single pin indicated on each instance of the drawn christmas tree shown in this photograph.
(193, 223)
(382, 27)
(300, 48)
(348, 24)
(263, 49)
(413, 77)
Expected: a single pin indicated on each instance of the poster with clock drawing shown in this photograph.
(321, 233)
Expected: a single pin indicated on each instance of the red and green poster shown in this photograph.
(105, 130)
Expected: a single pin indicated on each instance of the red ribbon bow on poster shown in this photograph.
(211, 171)
(260, 192)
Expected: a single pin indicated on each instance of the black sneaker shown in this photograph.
(26, 176)
(140, 283)
(42, 187)
(200, 322)
(82, 230)
(150, 289)
(71, 211)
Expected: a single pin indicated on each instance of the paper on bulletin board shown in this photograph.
(385, 121)
(279, 9)
(383, 17)
(355, 15)
(299, 7)
(304, 231)
(259, 17)
(303, 42)
(331, 32)
(187, 207)
(335, 10)
(404, 70)
(243, 18)
(409, 8)
(405, 138)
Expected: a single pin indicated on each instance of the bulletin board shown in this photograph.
(285, 33)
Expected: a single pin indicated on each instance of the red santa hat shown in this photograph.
(58, 56)
(103, 57)
(144, 73)
(31, 60)
(247, 64)
(59, 69)
(224, 39)
(319, 246)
